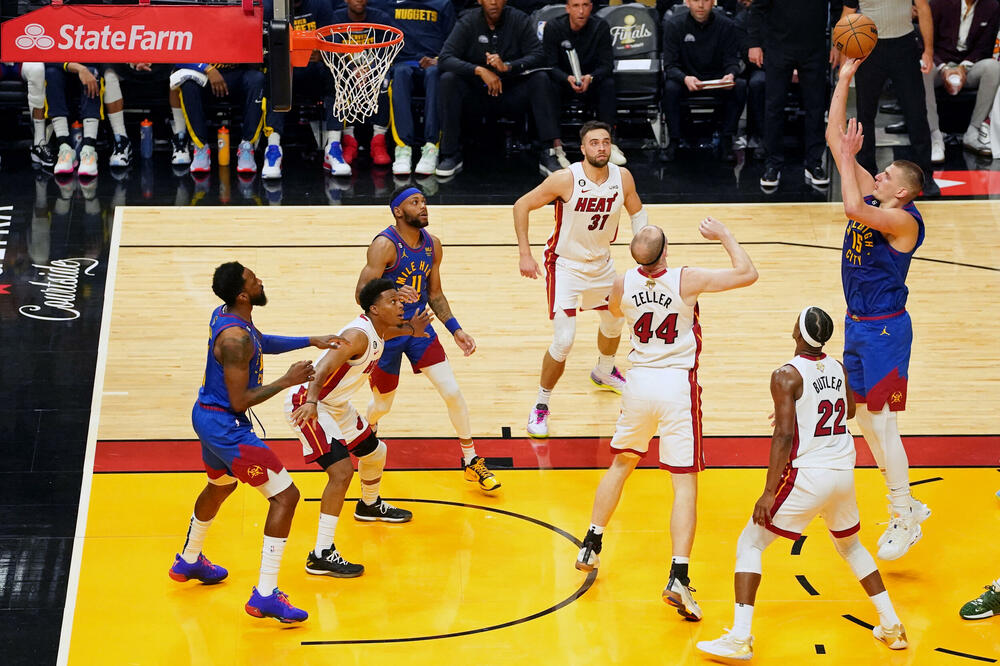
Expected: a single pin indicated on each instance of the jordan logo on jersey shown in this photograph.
(884, 332)
(595, 204)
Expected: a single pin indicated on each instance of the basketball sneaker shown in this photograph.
(403, 164)
(350, 147)
(918, 511)
(902, 533)
(202, 570)
(88, 162)
(381, 510)
(274, 605)
(333, 160)
(729, 647)
(985, 605)
(42, 155)
(894, 637)
(478, 472)
(330, 563)
(181, 154)
(561, 157)
(272, 162)
(547, 163)
(587, 559)
(67, 162)
(611, 382)
(678, 595)
(617, 156)
(380, 154)
(245, 162)
(202, 161)
(427, 164)
(538, 422)
(448, 166)
(121, 156)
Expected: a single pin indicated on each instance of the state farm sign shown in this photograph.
(117, 33)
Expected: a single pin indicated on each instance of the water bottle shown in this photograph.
(146, 139)
(223, 146)
(76, 136)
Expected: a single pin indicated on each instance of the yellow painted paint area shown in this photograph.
(459, 568)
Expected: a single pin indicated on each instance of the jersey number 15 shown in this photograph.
(666, 331)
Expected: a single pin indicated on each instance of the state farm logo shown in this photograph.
(34, 37)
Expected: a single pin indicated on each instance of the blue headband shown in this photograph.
(405, 194)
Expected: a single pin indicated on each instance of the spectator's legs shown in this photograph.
(90, 112)
(401, 94)
(543, 107)
(606, 101)
(909, 82)
(55, 94)
(33, 74)
(868, 83)
(984, 75)
(777, 74)
(247, 83)
(454, 90)
(931, 81)
(192, 106)
(673, 93)
(432, 120)
(756, 103)
(812, 82)
(733, 101)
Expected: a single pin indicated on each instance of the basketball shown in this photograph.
(855, 35)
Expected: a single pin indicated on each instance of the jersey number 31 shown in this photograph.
(666, 331)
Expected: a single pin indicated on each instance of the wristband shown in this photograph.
(310, 402)
(452, 325)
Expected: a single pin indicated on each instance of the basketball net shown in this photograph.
(358, 73)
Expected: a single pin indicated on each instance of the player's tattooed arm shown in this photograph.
(234, 349)
(435, 293)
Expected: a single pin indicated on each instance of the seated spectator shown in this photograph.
(700, 45)
(489, 62)
(425, 25)
(964, 34)
(755, 79)
(243, 83)
(787, 36)
(56, 83)
(33, 73)
(590, 37)
(114, 108)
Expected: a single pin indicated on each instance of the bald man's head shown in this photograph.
(648, 245)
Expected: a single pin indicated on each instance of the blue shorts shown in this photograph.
(422, 352)
(877, 359)
(230, 447)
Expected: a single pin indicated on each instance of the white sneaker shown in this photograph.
(893, 637)
(428, 162)
(403, 159)
(617, 156)
(972, 141)
(729, 646)
(272, 162)
(564, 161)
(88, 162)
(538, 422)
(587, 559)
(903, 532)
(67, 162)
(679, 596)
(333, 160)
(918, 512)
(611, 382)
(937, 147)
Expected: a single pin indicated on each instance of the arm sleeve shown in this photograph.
(605, 53)
(454, 48)
(279, 344)
(550, 44)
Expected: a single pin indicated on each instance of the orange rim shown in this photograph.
(312, 40)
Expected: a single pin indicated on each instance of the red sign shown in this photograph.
(142, 33)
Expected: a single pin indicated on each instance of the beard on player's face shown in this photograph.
(598, 161)
(418, 221)
(259, 299)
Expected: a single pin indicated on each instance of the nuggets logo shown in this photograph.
(255, 471)
(896, 397)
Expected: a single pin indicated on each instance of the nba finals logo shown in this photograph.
(627, 34)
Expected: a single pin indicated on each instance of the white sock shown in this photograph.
(90, 126)
(61, 128)
(886, 613)
(349, 131)
(180, 126)
(270, 563)
(606, 363)
(680, 560)
(544, 395)
(378, 129)
(468, 452)
(742, 621)
(332, 136)
(195, 540)
(596, 529)
(274, 139)
(117, 120)
(38, 124)
(325, 534)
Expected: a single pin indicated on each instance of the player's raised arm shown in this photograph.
(632, 202)
(439, 303)
(558, 185)
(381, 253)
(786, 387)
(743, 273)
(836, 121)
(234, 349)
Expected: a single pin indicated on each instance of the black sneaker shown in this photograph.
(121, 156)
(43, 155)
(332, 564)
(815, 174)
(381, 510)
(587, 559)
(771, 177)
(449, 166)
(548, 163)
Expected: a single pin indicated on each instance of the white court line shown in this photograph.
(115, 392)
(73, 583)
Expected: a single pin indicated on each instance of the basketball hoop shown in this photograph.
(358, 56)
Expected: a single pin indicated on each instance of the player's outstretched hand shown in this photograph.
(850, 66)
(529, 268)
(712, 229)
(408, 294)
(300, 373)
(306, 413)
(851, 140)
(465, 342)
(327, 341)
(762, 509)
(420, 321)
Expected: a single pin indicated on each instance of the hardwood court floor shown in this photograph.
(458, 568)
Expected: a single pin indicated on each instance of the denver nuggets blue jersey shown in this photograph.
(873, 273)
(412, 267)
(213, 388)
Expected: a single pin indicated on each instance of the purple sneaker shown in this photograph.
(610, 382)
(275, 605)
(202, 570)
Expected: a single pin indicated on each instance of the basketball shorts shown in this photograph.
(877, 360)
(574, 284)
(664, 401)
(231, 450)
(338, 428)
(807, 492)
(421, 352)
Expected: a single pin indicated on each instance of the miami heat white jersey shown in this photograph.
(821, 437)
(349, 377)
(587, 224)
(665, 330)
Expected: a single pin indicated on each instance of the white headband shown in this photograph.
(802, 328)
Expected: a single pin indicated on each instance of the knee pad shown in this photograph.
(750, 548)
(112, 86)
(368, 445)
(564, 330)
(375, 455)
(856, 556)
(33, 74)
(611, 326)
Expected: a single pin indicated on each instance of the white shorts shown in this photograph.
(665, 401)
(807, 492)
(338, 427)
(572, 284)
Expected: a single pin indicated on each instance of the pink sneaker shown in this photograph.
(538, 422)
(611, 382)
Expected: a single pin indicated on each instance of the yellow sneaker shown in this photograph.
(478, 472)
(894, 637)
